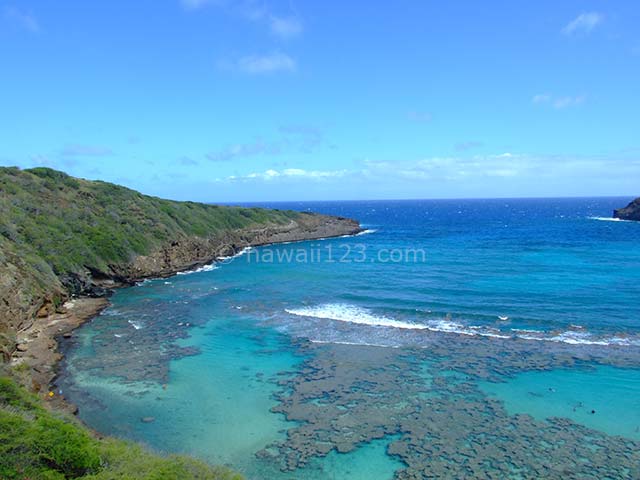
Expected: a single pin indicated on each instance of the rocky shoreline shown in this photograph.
(39, 350)
(37, 343)
(630, 212)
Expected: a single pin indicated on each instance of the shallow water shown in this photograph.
(328, 360)
(604, 398)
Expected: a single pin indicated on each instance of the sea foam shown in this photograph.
(608, 219)
(231, 257)
(358, 315)
(134, 324)
(352, 314)
(204, 268)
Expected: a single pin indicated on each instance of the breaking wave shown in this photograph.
(608, 219)
(357, 315)
(351, 314)
(204, 268)
(229, 258)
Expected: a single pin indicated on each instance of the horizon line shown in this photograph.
(578, 197)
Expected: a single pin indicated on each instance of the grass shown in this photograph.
(37, 444)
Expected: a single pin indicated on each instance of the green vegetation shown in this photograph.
(55, 229)
(67, 223)
(37, 444)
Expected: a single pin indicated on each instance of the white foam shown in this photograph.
(577, 338)
(448, 326)
(608, 219)
(134, 324)
(524, 330)
(358, 344)
(357, 315)
(204, 268)
(239, 254)
(352, 314)
(572, 337)
(367, 231)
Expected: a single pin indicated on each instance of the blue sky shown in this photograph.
(222, 100)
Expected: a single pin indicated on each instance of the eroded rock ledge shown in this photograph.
(193, 252)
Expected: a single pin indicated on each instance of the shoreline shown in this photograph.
(39, 345)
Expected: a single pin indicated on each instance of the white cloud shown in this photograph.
(263, 64)
(23, 19)
(583, 23)
(281, 26)
(477, 169)
(288, 173)
(285, 27)
(451, 169)
(558, 102)
(497, 175)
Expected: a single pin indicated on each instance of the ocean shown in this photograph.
(451, 339)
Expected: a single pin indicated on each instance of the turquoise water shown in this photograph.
(401, 352)
(604, 399)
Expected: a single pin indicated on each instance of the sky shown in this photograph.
(247, 100)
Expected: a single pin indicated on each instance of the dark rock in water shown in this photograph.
(148, 419)
(630, 212)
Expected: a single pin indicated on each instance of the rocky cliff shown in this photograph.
(630, 212)
(61, 237)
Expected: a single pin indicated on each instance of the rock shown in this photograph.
(43, 311)
(630, 212)
(22, 347)
(148, 419)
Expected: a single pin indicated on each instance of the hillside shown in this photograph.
(63, 236)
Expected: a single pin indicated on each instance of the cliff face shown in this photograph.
(61, 236)
(192, 252)
(630, 212)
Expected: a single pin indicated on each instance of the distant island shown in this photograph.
(65, 243)
(630, 212)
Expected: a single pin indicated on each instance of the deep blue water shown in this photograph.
(545, 263)
(540, 276)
